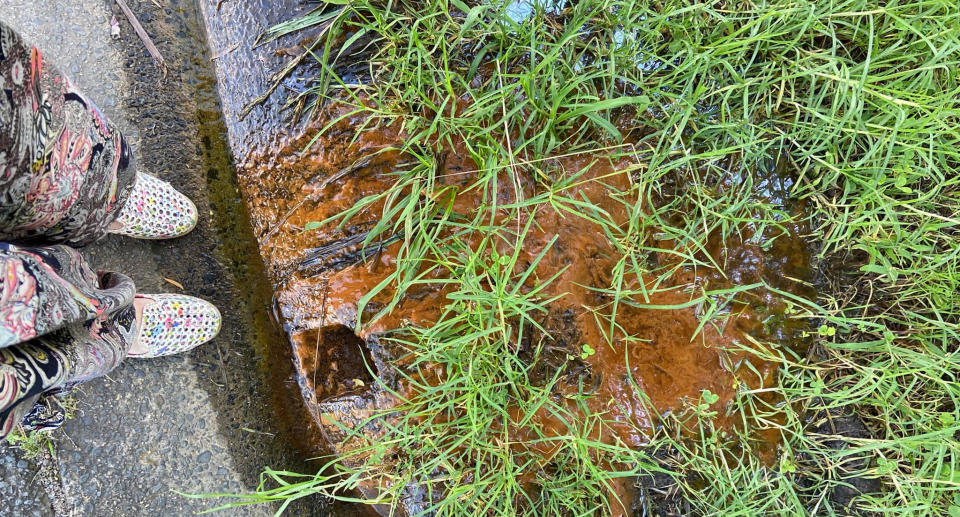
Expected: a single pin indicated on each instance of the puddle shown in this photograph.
(521, 10)
(318, 276)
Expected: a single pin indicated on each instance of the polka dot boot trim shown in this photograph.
(155, 210)
(176, 323)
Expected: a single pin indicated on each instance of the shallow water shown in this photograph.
(320, 275)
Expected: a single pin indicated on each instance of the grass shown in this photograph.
(32, 443)
(859, 98)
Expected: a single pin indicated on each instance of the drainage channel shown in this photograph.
(251, 378)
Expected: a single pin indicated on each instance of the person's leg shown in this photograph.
(61, 324)
(47, 288)
(66, 172)
(68, 356)
(66, 177)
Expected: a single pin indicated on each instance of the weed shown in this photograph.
(32, 443)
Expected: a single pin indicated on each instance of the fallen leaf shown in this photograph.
(174, 282)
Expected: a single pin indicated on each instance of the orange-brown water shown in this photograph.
(667, 353)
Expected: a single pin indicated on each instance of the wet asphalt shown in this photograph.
(207, 421)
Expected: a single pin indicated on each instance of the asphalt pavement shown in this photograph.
(207, 421)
